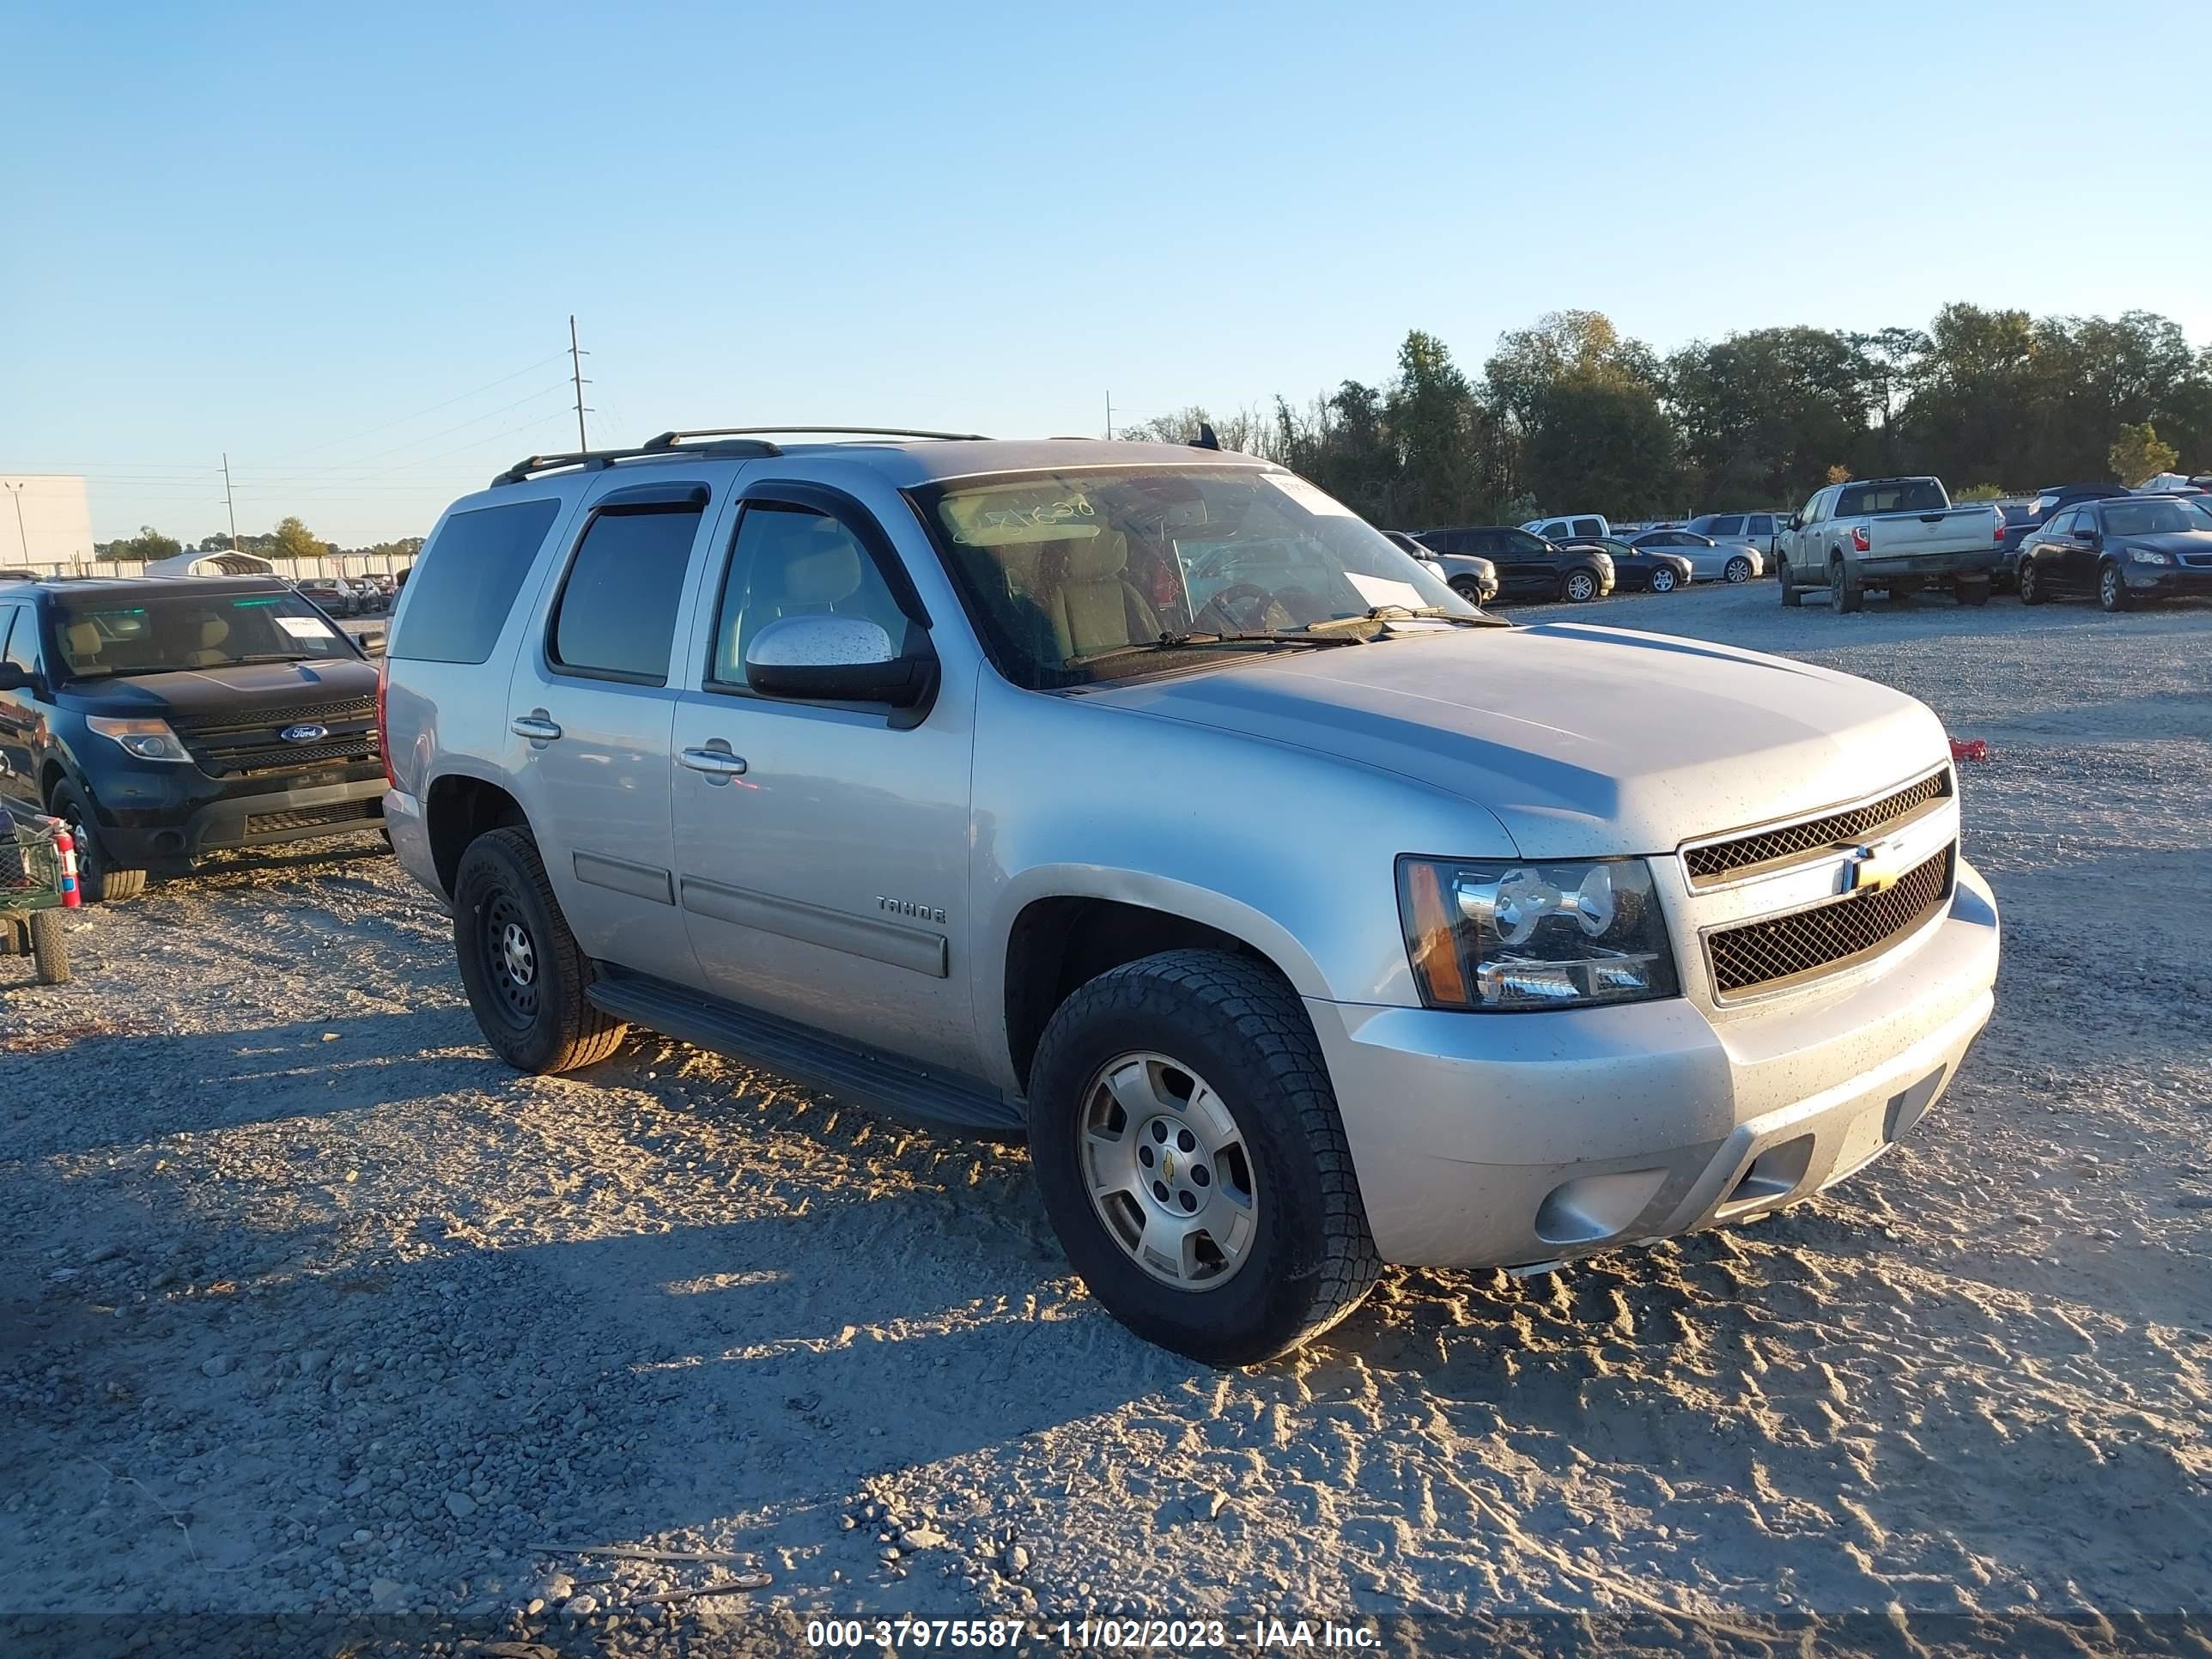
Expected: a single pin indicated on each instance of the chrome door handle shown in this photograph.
(535, 727)
(719, 764)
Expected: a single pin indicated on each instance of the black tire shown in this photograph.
(2112, 587)
(1970, 590)
(1739, 570)
(1792, 596)
(1663, 579)
(1235, 1022)
(50, 947)
(1849, 596)
(1470, 590)
(98, 882)
(2033, 589)
(1578, 587)
(537, 1020)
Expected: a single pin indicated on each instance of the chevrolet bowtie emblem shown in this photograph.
(1873, 869)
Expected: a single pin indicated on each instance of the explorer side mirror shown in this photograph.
(14, 677)
(839, 659)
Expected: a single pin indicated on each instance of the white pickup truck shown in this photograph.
(1897, 534)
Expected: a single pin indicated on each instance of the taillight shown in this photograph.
(1860, 541)
(1999, 537)
(383, 731)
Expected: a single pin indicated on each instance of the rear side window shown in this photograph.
(465, 582)
(1759, 523)
(616, 616)
(1727, 526)
(1589, 527)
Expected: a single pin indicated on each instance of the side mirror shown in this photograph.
(14, 677)
(839, 660)
(370, 641)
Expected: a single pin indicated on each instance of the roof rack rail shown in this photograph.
(591, 459)
(670, 440)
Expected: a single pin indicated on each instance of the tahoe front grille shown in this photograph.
(1717, 861)
(234, 745)
(1758, 955)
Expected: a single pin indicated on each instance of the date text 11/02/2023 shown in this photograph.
(1173, 1635)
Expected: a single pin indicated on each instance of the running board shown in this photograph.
(862, 1076)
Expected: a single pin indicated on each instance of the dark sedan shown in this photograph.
(2047, 505)
(1642, 569)
(1474, 580)
(1526, 566)
(2127, 550)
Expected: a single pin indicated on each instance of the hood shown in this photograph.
(1580, 740)
(239, 690)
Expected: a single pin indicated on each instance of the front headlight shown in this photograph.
(1497, 935)
(2148, 556)
(148, 739)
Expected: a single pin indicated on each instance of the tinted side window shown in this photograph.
(465, 582)
(1522, 542)
(1759, 523)
(1729, 526)
(1589, 527)
(794, 562)
(616, 616)
(2063, 524)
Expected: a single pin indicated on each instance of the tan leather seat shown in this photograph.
(84, 646)
(1088, 600)
(213, 632)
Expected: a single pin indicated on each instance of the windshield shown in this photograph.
(107, 634)
(1063, 568)
(2155, 517)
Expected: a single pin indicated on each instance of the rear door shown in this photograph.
(821, 849)
(589, 709)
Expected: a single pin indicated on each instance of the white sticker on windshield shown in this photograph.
(1381, 590)
(304, 627)
(1307, 497)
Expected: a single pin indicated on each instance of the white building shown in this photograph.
(45, 519)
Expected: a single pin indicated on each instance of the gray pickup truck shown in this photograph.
(1896, 534)
(1143, 801)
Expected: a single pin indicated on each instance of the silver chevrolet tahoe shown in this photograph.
(1145, 801)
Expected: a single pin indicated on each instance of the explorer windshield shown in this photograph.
(1064, 569)
(108, 634)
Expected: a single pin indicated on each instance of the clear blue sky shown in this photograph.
(270, 228)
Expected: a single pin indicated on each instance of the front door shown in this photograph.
(590, 708)
(1528, 565)
(23, 717)
(821, 848)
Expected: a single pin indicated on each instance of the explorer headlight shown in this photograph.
(148, 739)
(1496, 935)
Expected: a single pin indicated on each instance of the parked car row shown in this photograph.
(349, 596)
(2126, 550)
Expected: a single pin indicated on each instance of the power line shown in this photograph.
(418, 414)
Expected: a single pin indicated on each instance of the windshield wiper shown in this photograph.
(265, 656)
(1398, 613)
(1187, 641)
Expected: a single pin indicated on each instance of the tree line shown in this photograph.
(1568, 415)
(290, 539)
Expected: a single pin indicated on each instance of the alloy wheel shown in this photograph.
(1168, 1171)
(1581, 586)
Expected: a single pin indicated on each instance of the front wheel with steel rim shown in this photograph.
(1188, 1150)
(2112, 588)
(1663, 579)
(525, 974)
(1582, 588)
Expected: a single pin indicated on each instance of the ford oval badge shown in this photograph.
(304, 733)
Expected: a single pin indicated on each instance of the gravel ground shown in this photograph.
(310, 1307)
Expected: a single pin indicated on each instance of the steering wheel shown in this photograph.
(1226, 621)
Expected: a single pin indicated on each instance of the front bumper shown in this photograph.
(2158, 581)
(1501, 1140)
(192, 817)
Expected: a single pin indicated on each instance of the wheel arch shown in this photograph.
(456, 808)
(1068, 928)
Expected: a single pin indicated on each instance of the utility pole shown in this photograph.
(576, 356)
(1109, 417)
(21, 534)
(229, 505)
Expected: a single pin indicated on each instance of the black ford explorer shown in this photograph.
(168, 718)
